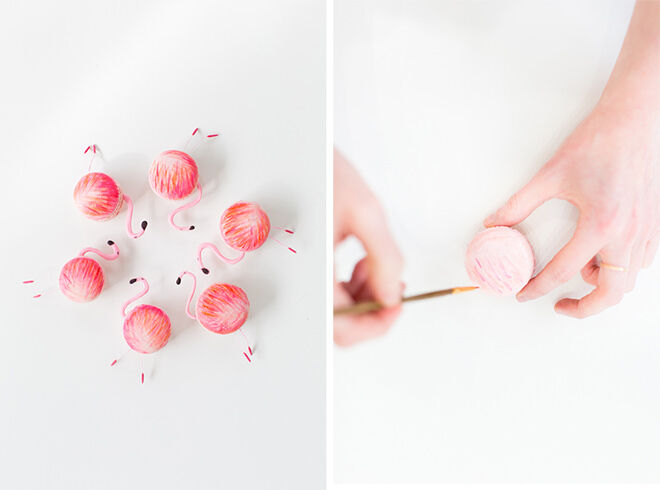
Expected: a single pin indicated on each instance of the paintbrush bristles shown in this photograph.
(371, 306)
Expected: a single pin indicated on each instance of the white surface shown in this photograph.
(447, 108)
(136, 78)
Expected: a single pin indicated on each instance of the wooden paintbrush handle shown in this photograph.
(371, 306)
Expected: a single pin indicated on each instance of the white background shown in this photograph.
(447, 108)
(136, 78)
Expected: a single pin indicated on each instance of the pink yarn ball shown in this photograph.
(147, 329)
(222, 308)
(500, 260)
(98, 196)
(81, 279)
(244, 226)
(173, 175)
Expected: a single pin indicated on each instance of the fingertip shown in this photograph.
(567, 307)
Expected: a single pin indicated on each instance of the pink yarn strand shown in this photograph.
(114, 255)
(184, 207)
(144, 291)
(217, 252)
(192, 292)
(129, 218)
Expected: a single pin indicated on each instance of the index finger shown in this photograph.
(384, 260)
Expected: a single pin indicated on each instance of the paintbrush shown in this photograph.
(371, 306)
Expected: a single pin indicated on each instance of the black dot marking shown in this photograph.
(192, 227)
(178, 281)
(111, 243)
(144, 225)
(132, 281)
(205, 270)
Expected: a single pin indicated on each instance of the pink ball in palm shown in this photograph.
(81, 279)
(500, 260)
(147, 329)
(173, 175)
(97, 196)
(244, 226)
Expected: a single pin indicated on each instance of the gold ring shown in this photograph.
(617, 268)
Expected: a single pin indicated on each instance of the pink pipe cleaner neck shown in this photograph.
(217, 252)
(112, 256)
(137, 296)
(129, 218)
(192, 292)
(184, 207)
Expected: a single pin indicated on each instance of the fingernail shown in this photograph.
(490, 220)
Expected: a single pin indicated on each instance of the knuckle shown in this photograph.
(611, 220)
(614, 297)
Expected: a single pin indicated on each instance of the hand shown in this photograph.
(609, 168)
(376, 277)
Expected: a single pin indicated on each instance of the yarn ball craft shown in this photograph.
(146, 328)
(97, 196)
(244, 226)
(174, 175)
(81, 278)
(500, 260)
(222, 308)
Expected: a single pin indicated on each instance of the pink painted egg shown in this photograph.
(244, 226)
(147, 329)
(97, 196)
(81, 279)
(173, 175)
(222, 308)
(500, 260)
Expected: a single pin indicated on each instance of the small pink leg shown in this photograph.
(290, 249)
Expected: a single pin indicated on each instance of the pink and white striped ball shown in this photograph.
(147, 329)
(222, 308)
(500, 260)
(173, 175)
(97, 196)
(81, 279)
(244, 226)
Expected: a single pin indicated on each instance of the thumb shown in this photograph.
(540, 189)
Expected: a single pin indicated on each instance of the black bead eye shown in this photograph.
(192, 227)
(205, 270)
(178, 281)
(132, 281)
(111, 243)
(144, 225)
